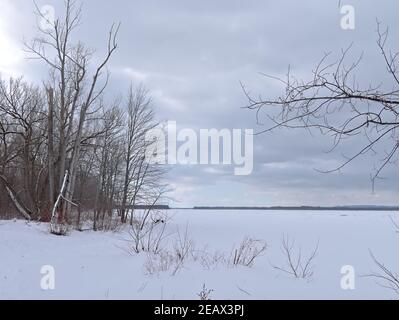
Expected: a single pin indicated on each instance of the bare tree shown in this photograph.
(75, 92)
(334, 103)
(140, 120)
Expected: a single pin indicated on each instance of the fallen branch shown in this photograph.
(14, 198)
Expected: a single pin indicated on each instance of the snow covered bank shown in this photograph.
(93, 265)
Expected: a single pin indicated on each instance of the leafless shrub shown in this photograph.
(158, 263)
(248, 251)
(296, 265)
(183, 249)
(209, 260)
(171, 260)
(385, 277)
(148, 232)
(205, 294)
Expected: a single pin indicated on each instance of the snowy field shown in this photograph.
(91, 265)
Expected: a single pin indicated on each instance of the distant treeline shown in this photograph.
(146, 207)
(279, 208)
(307, 208)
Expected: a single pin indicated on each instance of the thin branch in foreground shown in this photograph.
(385, 277)
(333, 102)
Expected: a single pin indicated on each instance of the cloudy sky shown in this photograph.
(193, 55)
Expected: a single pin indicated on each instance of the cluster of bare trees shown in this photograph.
(64, 150)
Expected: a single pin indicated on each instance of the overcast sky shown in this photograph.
(192, 56)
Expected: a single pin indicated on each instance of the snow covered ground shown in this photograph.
(93, 265)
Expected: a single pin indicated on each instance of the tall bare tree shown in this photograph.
(140, 120)
(75, 89)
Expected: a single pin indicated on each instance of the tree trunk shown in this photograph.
(51, 146)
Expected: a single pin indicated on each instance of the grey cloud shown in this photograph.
(192, 55)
